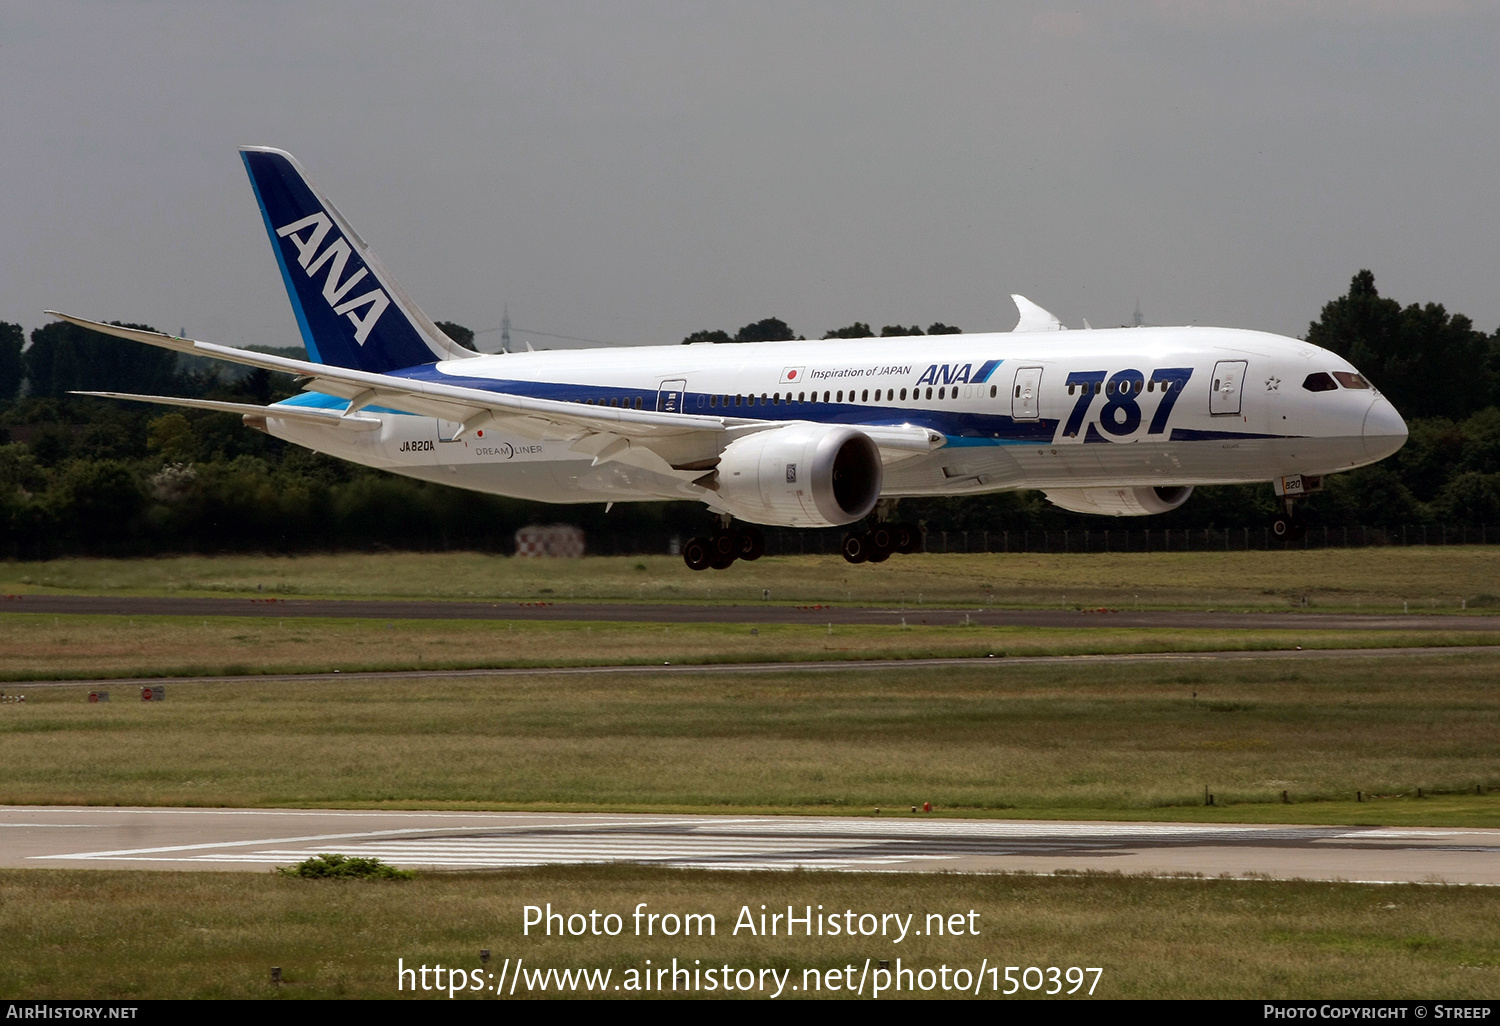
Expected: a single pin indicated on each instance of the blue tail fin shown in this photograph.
(351, 313)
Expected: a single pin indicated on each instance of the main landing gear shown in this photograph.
(723, 547)
(877, 544)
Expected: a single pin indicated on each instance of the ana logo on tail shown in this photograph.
(335, 287)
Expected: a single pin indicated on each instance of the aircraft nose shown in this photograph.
(1384, 430)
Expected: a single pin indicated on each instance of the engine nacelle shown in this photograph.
(801, 475)
(1119, 502)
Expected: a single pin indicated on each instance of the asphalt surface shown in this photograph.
(763, 613)
(826, 666)
(254, 840)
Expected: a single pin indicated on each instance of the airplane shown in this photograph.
(1117, 422)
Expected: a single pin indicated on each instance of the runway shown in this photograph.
(256, 840)
(825, 666)
(760, 613)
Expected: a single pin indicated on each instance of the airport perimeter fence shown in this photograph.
(781, 542)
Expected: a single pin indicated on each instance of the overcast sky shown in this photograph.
(635, 171)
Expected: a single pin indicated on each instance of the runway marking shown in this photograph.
(845, 845)
(126, 852)
(477, 841)
(823, 666)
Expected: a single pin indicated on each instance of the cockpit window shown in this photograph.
(1349, 380)
(1319, 382)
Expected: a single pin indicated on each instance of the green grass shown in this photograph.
(142, 935)
(1003, 739)
(37, 646)
(1124, 741)
(1423, 579)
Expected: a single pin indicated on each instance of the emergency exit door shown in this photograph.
(1025, 394)
(669, 396)
(1228, 384)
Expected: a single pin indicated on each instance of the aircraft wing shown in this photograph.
(651, 438)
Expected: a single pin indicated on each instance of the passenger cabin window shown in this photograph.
(1351, 380)
(1319, 382)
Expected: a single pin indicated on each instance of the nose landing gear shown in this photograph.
(1285, 527)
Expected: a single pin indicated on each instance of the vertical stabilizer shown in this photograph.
(350, 311)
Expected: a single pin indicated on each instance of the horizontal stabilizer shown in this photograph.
(310, 414)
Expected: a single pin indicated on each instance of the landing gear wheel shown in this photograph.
(1283, 527)
(908, 538)
(855, 548)
(723, 549)
(882, 538)
(723, 545)
(696, 554)
(752, 544)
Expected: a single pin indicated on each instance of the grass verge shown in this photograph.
(141, 935)
(1421, 579)
(1132, 741)
(44, 647)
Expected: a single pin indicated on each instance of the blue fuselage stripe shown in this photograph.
(961, 428)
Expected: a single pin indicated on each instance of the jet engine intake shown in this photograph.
(801, 475)
(1120, 502)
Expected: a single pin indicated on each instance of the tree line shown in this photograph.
(92, 476)
(774, 329)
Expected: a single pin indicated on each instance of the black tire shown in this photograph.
(723, 545)
(1282, 527)
(908, 538)
(695, 554)
(752, 543)
(877, 555)
(854, 549)
(721, 562)
(882, 539)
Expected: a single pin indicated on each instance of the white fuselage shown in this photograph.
(1054, 409)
